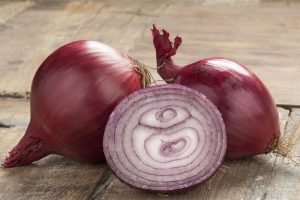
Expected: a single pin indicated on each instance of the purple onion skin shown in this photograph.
(248, 110)
(73, 93)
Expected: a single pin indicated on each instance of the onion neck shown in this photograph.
(145, 75)
(168, 70)
(165, 49)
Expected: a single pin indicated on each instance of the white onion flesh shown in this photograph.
(165, 138)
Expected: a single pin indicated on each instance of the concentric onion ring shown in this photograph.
(165, 138)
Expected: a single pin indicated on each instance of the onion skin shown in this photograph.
(248, 110)
(72, 95)
(166, 138)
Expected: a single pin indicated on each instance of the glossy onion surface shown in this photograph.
(248, 110)
(72, 95)
(165, 138)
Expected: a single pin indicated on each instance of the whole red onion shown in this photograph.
(72, 95)
(165, 138)
(248, 110)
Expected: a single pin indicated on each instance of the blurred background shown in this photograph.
(264, 35)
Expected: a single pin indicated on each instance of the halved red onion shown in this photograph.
(165, 138)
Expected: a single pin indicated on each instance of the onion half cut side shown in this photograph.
(165, 138)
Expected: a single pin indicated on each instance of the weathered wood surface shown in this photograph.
(265, 39)
(264, 35)
(55, 177)
(261, 177)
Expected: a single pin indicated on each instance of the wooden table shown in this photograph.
(262, 34)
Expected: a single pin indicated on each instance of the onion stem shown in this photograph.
(146, 76)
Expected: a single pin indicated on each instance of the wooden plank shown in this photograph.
(286, 176)
(260, 177)
(14, 112)
(44, 27)
(38, 27)
(53, 177)
(231, 2)
(132, 19)
(9, 9)
(266, 40)
(293, 128)
(258, 38)
(36, 32)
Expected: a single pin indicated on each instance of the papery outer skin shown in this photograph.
(248, 110)
(72, 95)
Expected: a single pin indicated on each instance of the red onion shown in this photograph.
(249, 113)
(165, 138)
(72, 95)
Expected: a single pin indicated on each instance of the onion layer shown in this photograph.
(248, 110)
(165, 138)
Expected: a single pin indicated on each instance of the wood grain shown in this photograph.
(262, 34)
(14, 112)
(260, 177)
(9, 9)
(267, 39)
(56, 177)
(286, 176)
(53, 177)
(42, 28)
(264, 40)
